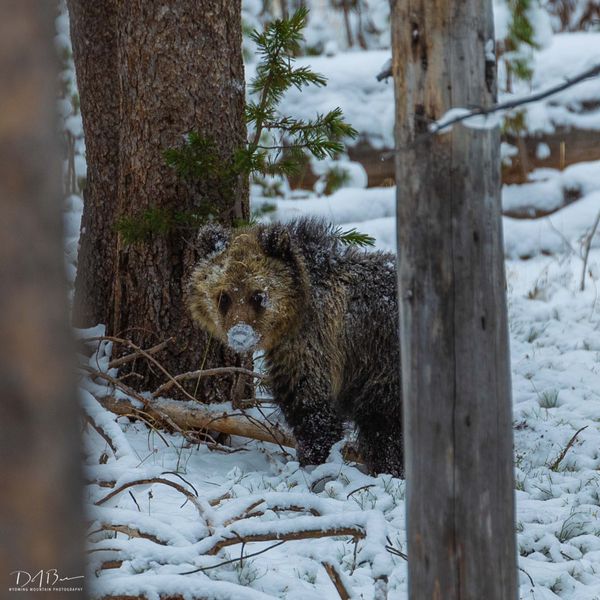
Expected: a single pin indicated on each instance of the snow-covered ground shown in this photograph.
(260, 489)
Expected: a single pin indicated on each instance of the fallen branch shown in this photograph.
(191, 497)
(102, 433)
(132, 532)
(251, 512)
(194, 415)
(159, 416)
(336, 579)
(556, 463)
(318, 532)
(112, 564)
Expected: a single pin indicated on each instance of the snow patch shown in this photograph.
(242, 337)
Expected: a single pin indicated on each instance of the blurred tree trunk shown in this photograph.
(94, 41)
(41, 517)
(453, 318)
(179, 69)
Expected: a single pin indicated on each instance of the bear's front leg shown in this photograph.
(308, 410)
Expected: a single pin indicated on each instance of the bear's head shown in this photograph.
(250, 287)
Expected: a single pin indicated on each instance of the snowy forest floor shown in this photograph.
(148, 536)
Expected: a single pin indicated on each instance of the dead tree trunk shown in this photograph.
(455, 357)
(179, 69)
(94, 40)
(41, 517)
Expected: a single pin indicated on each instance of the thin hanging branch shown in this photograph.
(510, 104)
(441, 124)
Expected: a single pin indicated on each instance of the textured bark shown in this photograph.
(41, 520)
(180, 69)
(148, 73)
(454, 341)
(94, 40)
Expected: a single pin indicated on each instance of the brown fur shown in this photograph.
(327, 324)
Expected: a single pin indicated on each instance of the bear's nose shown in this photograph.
(242, 337)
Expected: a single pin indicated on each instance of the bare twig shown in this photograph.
(336, 579)
(233, 560)
(191, 497)
(395, 551)
(528, 575)
(204, 373)
(556, 463)
(143, 353)
(587, 246)
(123, 360)
(363, 487)
(509, 104)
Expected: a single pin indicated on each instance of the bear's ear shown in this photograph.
(212, 239)
(276, 242)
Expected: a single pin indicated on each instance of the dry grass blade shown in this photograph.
(587, 246)
(554, 466)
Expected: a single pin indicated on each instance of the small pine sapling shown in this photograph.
(278, 145)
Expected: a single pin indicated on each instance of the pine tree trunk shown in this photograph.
(94, 41)
(178, 68)
(41, 513)
(454, 334)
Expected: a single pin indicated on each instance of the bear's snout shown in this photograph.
(242, 337)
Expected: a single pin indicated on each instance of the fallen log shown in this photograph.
(196, 416)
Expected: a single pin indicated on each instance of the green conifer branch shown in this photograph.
(198, 157)
(354, 237)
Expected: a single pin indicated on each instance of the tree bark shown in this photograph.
(94, 41)
(179, 69)
(453, 320)
(41, 516)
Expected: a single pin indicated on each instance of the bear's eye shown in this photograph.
(224, 302)
(258, 300)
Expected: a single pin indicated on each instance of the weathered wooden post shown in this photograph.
(41, 502)
(455, 357)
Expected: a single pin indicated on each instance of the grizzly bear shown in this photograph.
(325, 316)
